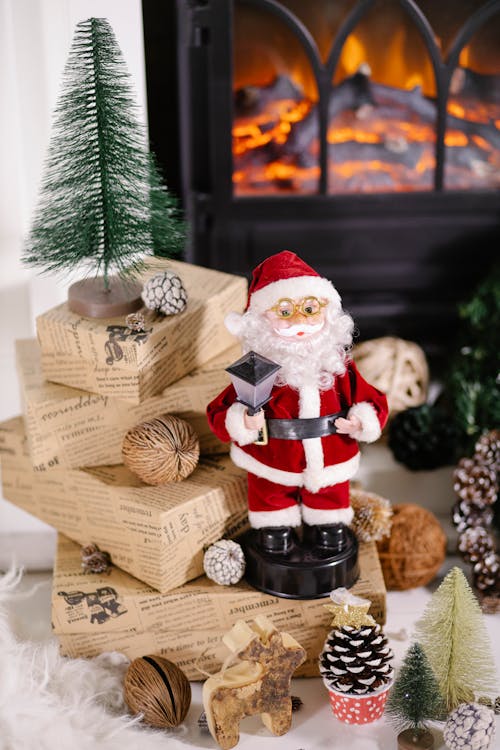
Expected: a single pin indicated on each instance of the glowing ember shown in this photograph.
(379, 137)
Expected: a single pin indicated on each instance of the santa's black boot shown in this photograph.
(276, 539)
(327, 538)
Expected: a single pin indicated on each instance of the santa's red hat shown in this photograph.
(283, 275)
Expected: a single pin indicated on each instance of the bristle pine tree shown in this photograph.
(101, 203)
(415, 697)
(456, 643)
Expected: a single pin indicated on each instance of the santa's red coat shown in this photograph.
(313, 463)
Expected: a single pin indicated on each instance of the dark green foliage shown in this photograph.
(473, 383)
(101, 198)
(415, 697)
(423, 437)
(167, 229)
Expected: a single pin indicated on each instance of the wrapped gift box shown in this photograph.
(155, 533)
(114, 611)
(104, 356)
(72, 428)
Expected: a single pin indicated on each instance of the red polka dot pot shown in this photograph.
(358, 709)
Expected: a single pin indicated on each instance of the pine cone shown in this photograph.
(467, 515)
(475, 482)
(422, 437)
(372, 516)
(224, 562)
(356, 660)
(136, 322)
(475, 543)
(487, 574)
(487, 450)
(497, 705)
(165, 293)
(469, 726)
(95, 560)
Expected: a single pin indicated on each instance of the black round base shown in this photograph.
(304, 572)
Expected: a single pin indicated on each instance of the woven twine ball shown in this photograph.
(396, 367)
(165, 449)
(165, 293)
(415, 550)
(469, 727)
(158, 689)
(224, 562)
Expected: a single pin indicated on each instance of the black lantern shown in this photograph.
(253, 378)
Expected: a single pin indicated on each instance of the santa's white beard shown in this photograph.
(309, 361)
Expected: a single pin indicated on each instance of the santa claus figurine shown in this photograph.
(320, 409)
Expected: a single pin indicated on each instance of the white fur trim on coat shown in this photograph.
(316, 517)
(370, 425)
(313, 482)
(283, 517)
(236, 426)
(295, 288)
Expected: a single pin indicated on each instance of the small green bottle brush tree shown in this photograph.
(414, 700)
(102, 204)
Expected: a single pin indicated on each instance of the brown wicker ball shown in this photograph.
(158, 689)
(415, 550)
(165, 449)
(396, 367)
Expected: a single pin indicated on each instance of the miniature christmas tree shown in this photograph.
(356, 659)
(102, 204)
(456, 642)
(414, 699)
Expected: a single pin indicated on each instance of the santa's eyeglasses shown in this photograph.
(309, 306)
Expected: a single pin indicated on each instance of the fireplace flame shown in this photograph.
(380, 136)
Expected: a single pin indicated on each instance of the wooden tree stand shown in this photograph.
(89, 298)
(415, 739)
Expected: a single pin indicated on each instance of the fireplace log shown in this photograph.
(252, 100)
(352, 151)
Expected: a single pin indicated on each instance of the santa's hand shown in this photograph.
(256, 422)
(347, 426)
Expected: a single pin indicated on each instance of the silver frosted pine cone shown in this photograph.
(224, 562)
(165, 293)
(469, 727)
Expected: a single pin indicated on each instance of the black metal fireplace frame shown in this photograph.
(224, 227)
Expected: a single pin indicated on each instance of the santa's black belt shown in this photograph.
(303, 429)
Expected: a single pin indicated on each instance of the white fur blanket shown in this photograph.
(49, 702)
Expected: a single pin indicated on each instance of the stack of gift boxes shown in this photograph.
(84, 384)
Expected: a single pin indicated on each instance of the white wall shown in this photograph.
(35, 36)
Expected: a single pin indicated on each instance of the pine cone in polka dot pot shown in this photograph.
(356, 661)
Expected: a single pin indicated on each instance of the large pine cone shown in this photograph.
(475, 482)
(422, 438)
(487, 574)
(475, 543)
(467, 515)
(487, 450)
(356, 660)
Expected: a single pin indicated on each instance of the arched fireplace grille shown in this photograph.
(324, 71)
(401, 259)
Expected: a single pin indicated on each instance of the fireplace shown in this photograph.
(363, 134)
